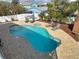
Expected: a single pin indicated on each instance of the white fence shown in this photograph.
(19, 17)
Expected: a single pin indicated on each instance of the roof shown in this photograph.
(76, 26)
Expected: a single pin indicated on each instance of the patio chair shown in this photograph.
(14, 17)
(27, 20)
(55, 26)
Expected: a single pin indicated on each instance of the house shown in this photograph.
(41, 4)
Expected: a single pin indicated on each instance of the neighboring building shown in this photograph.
(41, 4)
(76, 29)
(76, 26)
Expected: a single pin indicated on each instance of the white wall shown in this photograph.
(20, 17)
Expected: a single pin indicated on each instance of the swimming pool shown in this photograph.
(38, 37)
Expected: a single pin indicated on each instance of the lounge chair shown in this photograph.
(2, 20)
(55, 26)
(7, 18)
(21, 18)
(14, 17)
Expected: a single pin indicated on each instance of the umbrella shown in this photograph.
(34, 10)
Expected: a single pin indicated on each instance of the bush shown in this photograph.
(10, 9)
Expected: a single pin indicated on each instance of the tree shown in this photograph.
(77, 2)
(60, 10)
(72, 7)
(42, 15)
(3, 8)
(16, 9)
(56, 14)
(10, 9)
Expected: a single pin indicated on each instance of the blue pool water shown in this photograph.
(38, 37)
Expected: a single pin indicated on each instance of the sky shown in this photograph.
(42, 1)
(29, 0)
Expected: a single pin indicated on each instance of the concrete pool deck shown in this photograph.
(69, 48)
